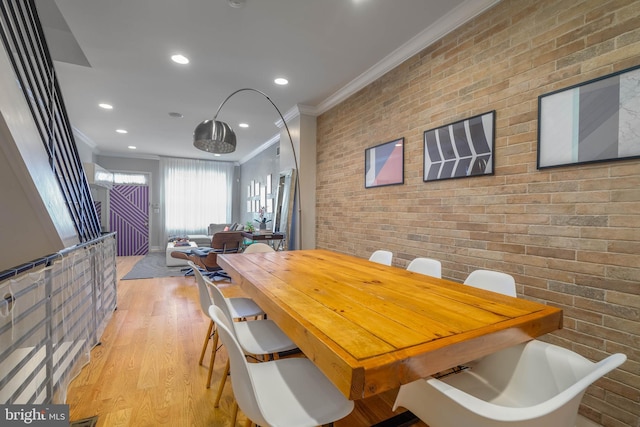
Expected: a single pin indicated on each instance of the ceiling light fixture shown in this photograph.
(243, 125)
(236, 3)
(121, 131)
(281, 81)
(106, 106)
(175, 115)
(180, 59)
(132, 147)
(217, 137)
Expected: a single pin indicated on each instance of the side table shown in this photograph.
(273, 239)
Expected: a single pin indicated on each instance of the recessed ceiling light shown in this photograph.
(217, 155)
(180, 59)
(243, 125)
(132, 147)
(106, 106)
(281, 81)
(175, 115)
(121, 131)
(236, 3)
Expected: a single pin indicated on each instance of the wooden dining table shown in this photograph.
(371, 328)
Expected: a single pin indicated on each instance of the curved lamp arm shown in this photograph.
(293, 150)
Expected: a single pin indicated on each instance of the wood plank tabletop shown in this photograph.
(370, 327)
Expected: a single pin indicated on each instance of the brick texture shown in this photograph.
(569, 235)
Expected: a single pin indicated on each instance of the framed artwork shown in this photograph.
(263, 197)
(460, 149)
(594, 121)
(384, 164)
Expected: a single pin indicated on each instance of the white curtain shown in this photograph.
(196, 193)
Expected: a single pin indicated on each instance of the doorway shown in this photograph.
(129, 217)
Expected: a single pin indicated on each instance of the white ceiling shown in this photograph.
(118, 52)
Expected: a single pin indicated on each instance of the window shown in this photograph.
(196, 194)
(121, 178)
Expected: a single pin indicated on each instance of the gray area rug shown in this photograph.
(153, 265)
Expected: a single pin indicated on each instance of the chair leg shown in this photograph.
(214, 350)
(206, 342)
(234, 413)
(223, 380)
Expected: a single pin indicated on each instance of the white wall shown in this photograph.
(303, 134)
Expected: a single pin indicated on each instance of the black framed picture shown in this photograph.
(384, 164)
(594, 121)
(460, 149)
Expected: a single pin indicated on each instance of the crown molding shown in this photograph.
(130, 155)
(275, 138)
(296, 111)
(452, 20)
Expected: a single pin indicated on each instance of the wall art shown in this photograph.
(460, 149)
(594, 121)
(384, 164)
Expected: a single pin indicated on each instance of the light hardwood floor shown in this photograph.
(146, 372)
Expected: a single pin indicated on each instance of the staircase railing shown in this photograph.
(52, 313)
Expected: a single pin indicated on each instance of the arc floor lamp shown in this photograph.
(218, 137)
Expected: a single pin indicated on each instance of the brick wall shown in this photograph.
(569, 235)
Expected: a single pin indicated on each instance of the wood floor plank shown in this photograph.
(146, 372)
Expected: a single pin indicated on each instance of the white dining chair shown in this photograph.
(495, 281)
(258, 247)
(427, 266)
(241, 308)
(381, 257)
(257, 338)
(283, 392)
(534, 384)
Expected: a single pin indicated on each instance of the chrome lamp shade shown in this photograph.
(214, 137)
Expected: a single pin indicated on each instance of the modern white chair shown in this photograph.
(428, 266)
(492, 281)
(257, 338)
(382, 257)
(534, 384)
(284, 392)
(258, 247)
(241, 308)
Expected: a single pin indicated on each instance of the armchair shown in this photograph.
(206, 258)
